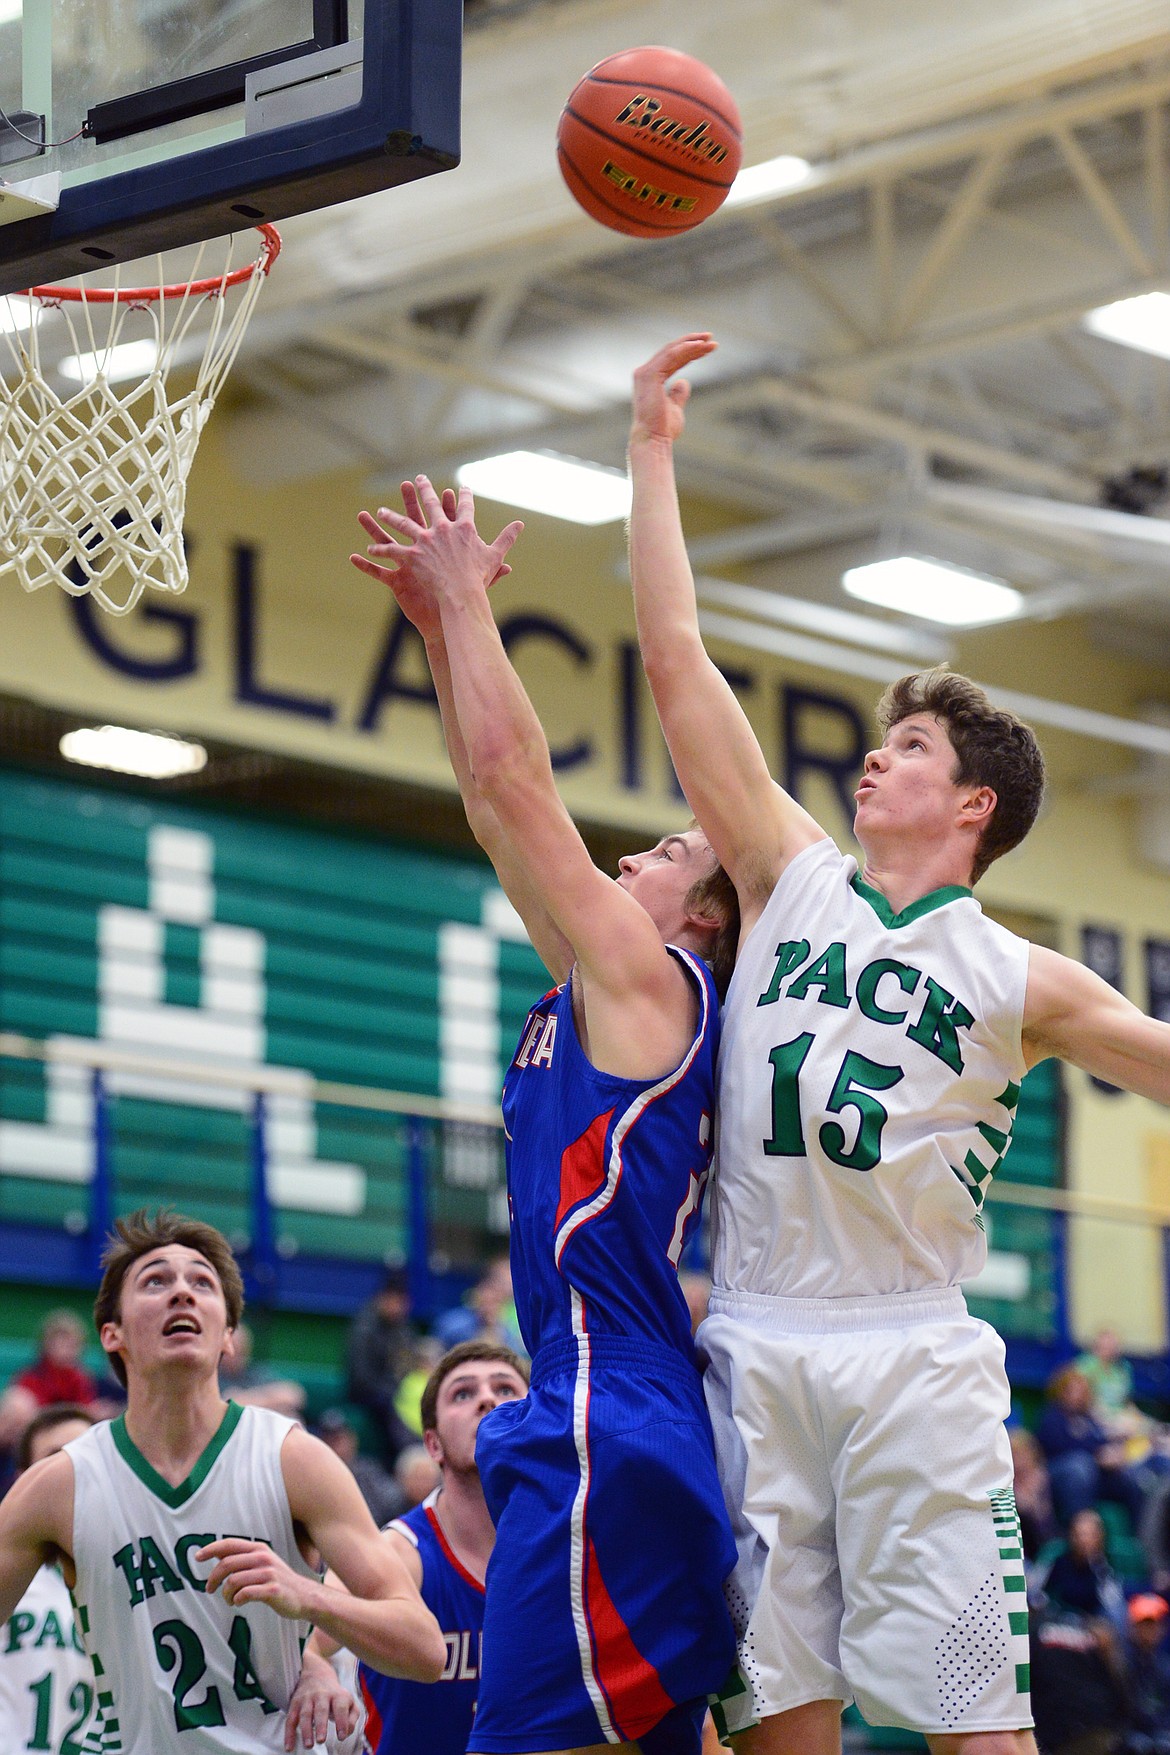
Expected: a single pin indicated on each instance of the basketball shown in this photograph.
(650, 142)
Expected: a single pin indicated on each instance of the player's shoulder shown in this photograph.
(40, 1501)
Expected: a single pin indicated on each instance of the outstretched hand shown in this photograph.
(440, 548)
(659, 406)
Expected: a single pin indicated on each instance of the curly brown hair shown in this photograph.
(140, 1232)
(992, 748)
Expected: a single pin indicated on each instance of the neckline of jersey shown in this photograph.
(150, 1477)
(881, 907)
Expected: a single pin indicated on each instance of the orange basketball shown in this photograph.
(650, 142)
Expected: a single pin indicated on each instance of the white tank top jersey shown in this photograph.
(46, 1679)
(178, 1670)
(869, 1072)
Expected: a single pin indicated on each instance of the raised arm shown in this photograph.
(387, 560)
(1070, 1012)
(751, 822)
(638, 1004)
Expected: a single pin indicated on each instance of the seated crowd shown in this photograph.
(1092, 1486)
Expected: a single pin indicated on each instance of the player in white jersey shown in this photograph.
(47, 1687)
(182, 1527)
(877, 1030)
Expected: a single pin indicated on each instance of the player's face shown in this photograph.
(173, 1316)
(660, 878)
(908, 786)
(465, 1396)
(54, 1438)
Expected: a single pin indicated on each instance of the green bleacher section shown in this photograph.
(1035, 1157)
(351, 968)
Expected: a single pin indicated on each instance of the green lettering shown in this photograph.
(51, 1632)
(184, 1548)
(856, 1079)
(157, 1569)
(179, 1648)
(787, 1058)
(81, 1703)
(867, 986)
(827, 973)
(788, 957)
(20, 1624)
(245, 1682)
(129, 1568)
(42, 1693)
(937, 1029)
(145, 1575)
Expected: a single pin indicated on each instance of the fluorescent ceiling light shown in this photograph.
(774, 177)
(130, 359)
(933, 591)
(1142, 322)
(544, 481)
(823, 618)
(150, 753)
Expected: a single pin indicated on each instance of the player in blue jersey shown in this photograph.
(605, 1622)
(444, 1543)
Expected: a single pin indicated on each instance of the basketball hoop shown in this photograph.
(93, 484)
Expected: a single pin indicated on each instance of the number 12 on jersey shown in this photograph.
(857, 1079)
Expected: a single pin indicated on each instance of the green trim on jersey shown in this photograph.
(924, 904)
(150, 1477)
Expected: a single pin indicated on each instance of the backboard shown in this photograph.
(143, 125)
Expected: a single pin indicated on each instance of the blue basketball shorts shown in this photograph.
(604, 1609)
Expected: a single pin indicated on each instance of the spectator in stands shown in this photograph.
(428, 1350)
(486, 1314)
(1033, 1491)
(57, 1374)
(1080, 1580)
(1078, 1686)
(243, 1380)
(1109, 1374)
(1148, 1655)
(417, 1474)
(379, 1489)
(1078, 1663)
(379, 1353)
(1084, 1464)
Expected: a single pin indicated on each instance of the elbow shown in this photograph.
(502, 770)
(671, 654)
(481, 820)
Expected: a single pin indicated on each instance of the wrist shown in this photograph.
(644, 440)
(314, 1601)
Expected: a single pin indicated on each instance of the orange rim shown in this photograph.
(142, 295)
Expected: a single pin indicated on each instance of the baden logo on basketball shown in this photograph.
(675, 129)
(644, 112)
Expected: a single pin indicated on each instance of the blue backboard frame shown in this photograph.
(406, 126)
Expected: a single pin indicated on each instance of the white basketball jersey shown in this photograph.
(178, 1670)
(46, 1679)
(868, 1077)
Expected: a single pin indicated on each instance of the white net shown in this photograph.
(93, 478)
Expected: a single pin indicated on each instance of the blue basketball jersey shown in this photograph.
(605, 1178)
(404, 1717)
(605, 1620)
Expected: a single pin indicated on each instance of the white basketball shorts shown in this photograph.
(862, 1451)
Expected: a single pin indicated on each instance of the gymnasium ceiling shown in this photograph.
(904, 328)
